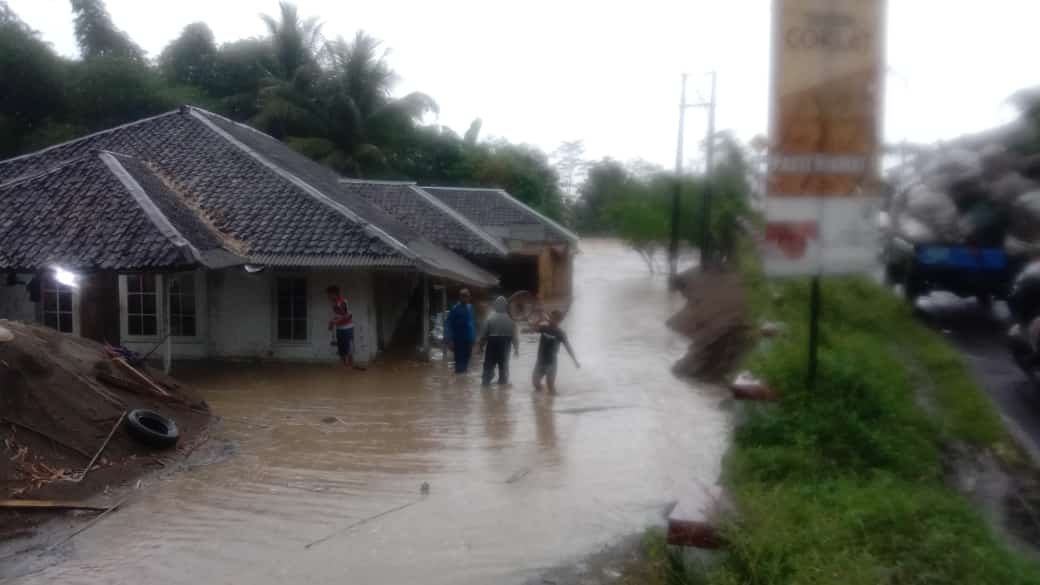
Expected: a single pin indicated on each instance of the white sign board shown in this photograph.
(823, 188)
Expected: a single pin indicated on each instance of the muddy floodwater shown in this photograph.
(518, 482)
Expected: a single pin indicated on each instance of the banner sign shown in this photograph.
(823, 191)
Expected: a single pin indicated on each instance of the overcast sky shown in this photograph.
(544, 71)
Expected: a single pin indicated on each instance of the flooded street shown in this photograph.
(518, 481)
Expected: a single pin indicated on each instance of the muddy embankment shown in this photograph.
(716, 320)
(61, 399)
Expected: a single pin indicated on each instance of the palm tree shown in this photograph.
(287, 98)
(363, 120)
(294, 41)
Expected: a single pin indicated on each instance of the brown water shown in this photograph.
(518, 481)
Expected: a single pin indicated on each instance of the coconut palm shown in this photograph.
(287, 98)
(363, 122)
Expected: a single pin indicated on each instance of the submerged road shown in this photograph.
(328, 489)
(980, 337)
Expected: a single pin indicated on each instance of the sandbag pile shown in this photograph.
(986, 197)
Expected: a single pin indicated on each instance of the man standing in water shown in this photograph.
(343, 323)
(498, 333)
(550, 336)
(460, 330)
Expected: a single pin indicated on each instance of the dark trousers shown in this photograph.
(463, 349)
(496, 354)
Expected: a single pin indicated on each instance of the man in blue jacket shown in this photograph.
(460, 331)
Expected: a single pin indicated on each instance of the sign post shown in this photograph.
(823, 190)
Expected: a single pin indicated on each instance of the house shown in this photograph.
(540, 250)
(190, 230)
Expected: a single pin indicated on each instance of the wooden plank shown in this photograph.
(49, 505)
(137, 373)
(124, 384)
(693, 533)
(686, 527)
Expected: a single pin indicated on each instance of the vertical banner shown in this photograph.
(824, 137)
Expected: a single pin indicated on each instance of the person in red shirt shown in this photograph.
(343, 323)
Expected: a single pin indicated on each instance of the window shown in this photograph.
(182, 306)
(142, 312)
(292, 309)
(57, 306)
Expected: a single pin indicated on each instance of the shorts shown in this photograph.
(344, 341)
(545, 369)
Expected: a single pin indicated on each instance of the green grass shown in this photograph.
(844, 484)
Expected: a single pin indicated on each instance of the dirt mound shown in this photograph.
(716, 319)
(60, 397)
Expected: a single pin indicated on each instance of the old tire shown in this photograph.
(152, 428)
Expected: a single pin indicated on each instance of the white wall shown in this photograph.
(242, 315)
(14, 300)
(236, 314)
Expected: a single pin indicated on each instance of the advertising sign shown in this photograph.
(823, 189)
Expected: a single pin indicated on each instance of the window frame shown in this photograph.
(124, 306)
(193, 292)
(49, 285)
(276, 316)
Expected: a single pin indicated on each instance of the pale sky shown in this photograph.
(544, 71)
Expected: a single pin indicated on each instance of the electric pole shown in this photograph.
(673, 248)
(709, 164)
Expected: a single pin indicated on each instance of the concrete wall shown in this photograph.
(242, 315)
(14, 300)
(236, 313)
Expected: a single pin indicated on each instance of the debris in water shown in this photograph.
(350, 527)
(49, 505)
(518, 475)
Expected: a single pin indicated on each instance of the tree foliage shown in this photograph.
(634, 202)
(334, 101)
(191, 59)
(98, 36)
(31, 85)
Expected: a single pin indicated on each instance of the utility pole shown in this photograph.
(673, 248)
(709, 164)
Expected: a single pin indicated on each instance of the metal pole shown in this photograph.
(444, 321)
(426, 317)
(709, 164)
(814, 331)
(673, 248)
(168, 351)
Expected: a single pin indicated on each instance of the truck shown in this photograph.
(961, 221)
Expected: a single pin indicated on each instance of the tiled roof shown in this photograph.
(260, 195)
(427, 215)
(494, 208)
(121, 217)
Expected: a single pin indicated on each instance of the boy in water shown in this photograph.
(550, 337)
(343, 323)
(498, 333)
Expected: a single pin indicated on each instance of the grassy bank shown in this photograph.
(844, 484)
